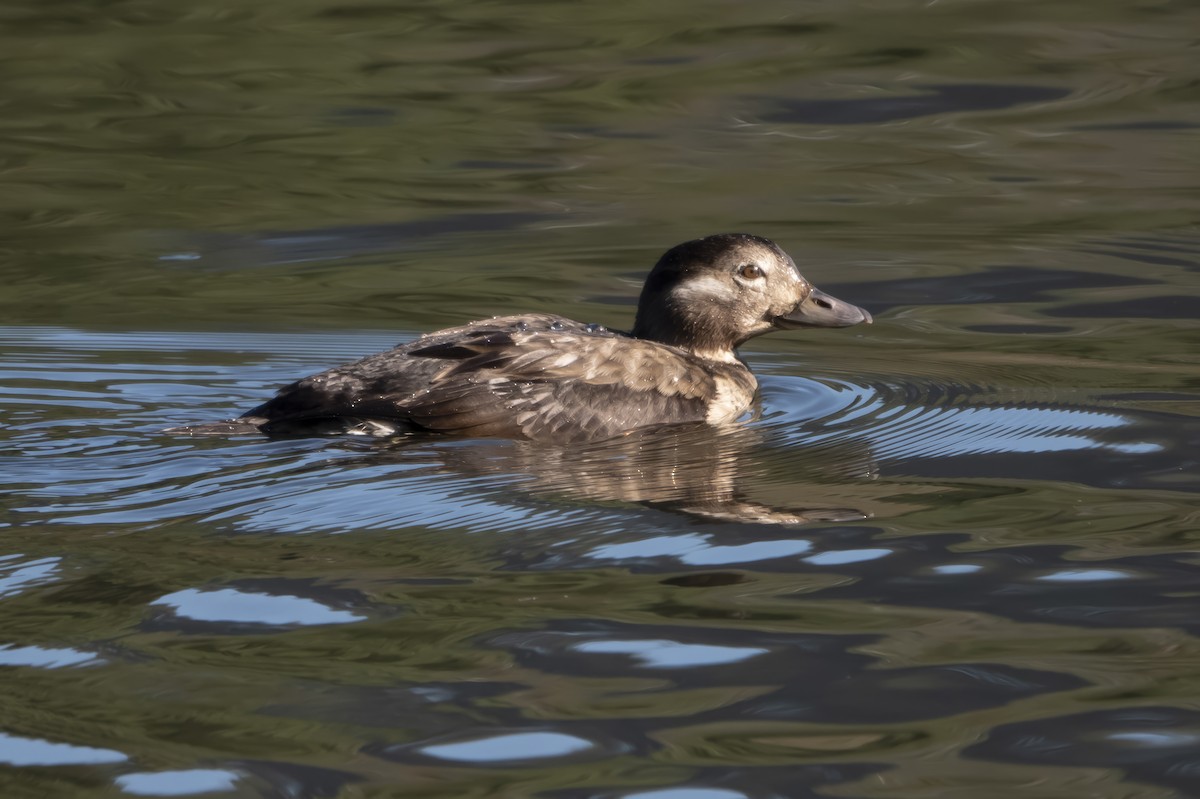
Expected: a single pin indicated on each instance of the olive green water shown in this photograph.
(203, 201)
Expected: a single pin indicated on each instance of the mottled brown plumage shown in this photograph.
(547, 378)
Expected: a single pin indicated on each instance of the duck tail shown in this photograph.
(246, 425)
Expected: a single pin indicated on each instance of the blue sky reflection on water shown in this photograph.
(511, 747)
(17, 750)
(181, 782)
(245, 607)
(661, 654)
(694, 549)
(43, 657)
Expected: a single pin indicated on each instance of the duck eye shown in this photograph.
(750, 271)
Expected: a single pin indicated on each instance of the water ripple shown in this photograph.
(813, 429)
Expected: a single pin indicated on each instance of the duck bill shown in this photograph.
(818, 309)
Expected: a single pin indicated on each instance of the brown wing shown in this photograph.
(560, 386)
(539, 377)
(324, 398)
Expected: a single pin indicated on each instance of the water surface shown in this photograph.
(954, 554)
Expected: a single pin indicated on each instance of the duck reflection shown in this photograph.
(728, 473)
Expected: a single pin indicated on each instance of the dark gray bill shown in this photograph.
(818, 309)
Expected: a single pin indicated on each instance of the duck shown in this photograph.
(546, 378)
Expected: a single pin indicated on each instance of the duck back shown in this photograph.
(535, 376)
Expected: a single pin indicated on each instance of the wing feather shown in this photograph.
(535, 376)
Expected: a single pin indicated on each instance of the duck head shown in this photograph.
(711, 295)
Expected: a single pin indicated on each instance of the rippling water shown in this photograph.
(954, 554)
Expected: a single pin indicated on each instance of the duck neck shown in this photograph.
(678, 331)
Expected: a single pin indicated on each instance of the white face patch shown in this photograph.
(706, 287)
(730, 307)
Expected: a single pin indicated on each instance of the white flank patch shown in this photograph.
(730, 402)
(720, 356)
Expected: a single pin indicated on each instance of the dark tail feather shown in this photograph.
(246, 425)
